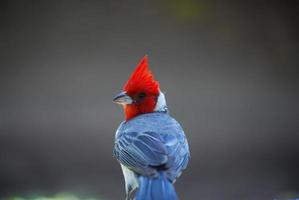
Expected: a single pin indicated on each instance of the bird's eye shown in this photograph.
(141, 95)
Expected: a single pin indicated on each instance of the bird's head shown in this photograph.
(141, 94)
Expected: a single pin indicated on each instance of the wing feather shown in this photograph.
(140, 150)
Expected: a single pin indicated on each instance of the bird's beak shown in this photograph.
(123, 98)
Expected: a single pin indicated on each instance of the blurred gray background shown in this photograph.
(230, 71)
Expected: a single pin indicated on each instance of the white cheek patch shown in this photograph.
(161, 103)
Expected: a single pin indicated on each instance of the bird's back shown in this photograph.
(171, 145)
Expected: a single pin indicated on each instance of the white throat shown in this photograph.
(161, 103)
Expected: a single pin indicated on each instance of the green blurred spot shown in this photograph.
(188, 9)
(60, 196)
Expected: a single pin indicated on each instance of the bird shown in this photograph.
(150, 145)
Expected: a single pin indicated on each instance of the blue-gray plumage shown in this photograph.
(149, 144)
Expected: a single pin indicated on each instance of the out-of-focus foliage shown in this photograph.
(60, 196)
(193, 10)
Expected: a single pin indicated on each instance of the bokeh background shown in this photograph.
(230, 71)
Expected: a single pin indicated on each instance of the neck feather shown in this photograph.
(161, 105)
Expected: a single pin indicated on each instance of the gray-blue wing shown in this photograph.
(178, 154)
(140, 150)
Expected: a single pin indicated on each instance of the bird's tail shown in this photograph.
(159, 188)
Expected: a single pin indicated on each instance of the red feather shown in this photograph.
(141, 80)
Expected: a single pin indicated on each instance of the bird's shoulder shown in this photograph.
(157, 122)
